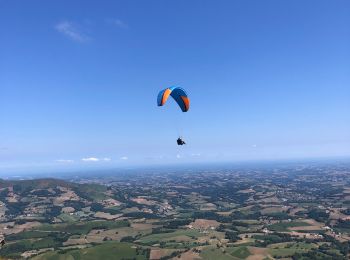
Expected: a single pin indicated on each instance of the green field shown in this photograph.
(289, 249)
(84, 227)
(211, 252)
(163, 237)
(68, 218)
(27, 235)
(15, 249)
(110, 250)
(240, 252)
(283, 226)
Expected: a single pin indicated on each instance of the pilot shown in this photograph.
(180, 141)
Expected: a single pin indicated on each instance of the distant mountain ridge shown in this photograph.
(37, 183)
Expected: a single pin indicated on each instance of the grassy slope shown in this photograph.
(282, 227)
(288, 249)
(156, 238)
(241, 252)
(85, 227)
(110, 250)
(210, 253)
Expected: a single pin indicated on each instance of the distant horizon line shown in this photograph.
(23, 171)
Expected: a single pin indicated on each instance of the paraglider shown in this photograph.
(181, 98)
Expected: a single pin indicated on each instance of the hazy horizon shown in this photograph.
(93, 170)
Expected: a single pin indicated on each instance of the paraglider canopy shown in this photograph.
(178, 94)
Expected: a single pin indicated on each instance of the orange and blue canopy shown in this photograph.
(178, 94)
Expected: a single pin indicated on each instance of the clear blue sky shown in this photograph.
(79, 80)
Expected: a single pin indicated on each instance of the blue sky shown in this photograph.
(79, 80)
